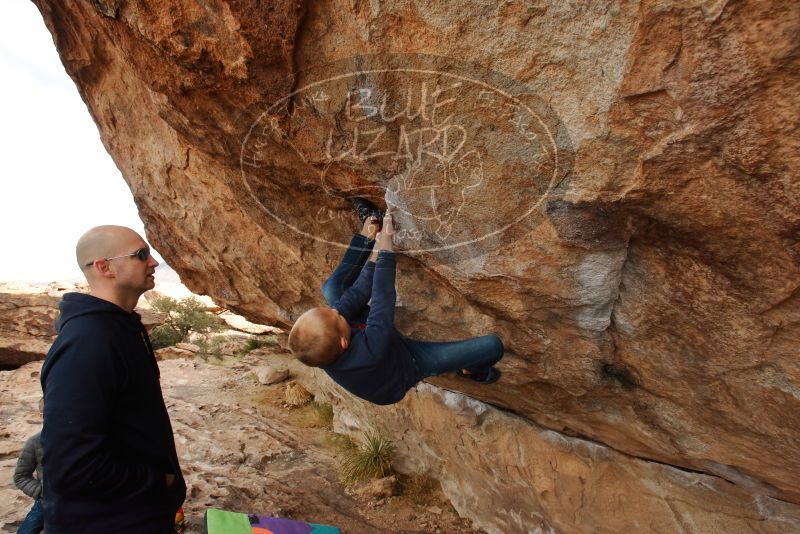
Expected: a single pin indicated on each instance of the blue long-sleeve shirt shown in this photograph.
(376, 366)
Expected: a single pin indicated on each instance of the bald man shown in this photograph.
(109, 459)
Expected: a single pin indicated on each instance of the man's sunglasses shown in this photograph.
(142, 254)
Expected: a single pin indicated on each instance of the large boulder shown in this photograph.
(27, 327)
(609, 186)
(509, 475)
(28, 315)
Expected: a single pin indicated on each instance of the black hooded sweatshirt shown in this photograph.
(107, 439)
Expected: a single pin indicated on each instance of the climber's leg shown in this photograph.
(476, 356)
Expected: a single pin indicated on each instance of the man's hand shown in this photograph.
(170, 479)
(370, 227)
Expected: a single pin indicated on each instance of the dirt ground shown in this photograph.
(241, 449)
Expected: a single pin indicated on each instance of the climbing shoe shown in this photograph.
(364, 208)
(489, 376)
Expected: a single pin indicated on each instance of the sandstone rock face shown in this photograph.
(240, 324)
(27, 327)
(28, 316)
(191, 347)
(174, 353)
(608, 185)
(509, 475)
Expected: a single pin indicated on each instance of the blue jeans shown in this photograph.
(34, 521)
(348, 270)
(475, 355)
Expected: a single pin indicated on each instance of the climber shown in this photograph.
(356, 344)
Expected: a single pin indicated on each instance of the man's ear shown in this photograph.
(344, 342)
(103, 268)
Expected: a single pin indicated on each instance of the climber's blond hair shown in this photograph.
(314, 339)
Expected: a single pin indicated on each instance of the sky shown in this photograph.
(56, 178)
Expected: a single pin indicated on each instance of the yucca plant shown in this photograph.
(370, 459)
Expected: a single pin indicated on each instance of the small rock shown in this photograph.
(10, 448)
(172, 353)
(271, 374)
(219, 493)
(188, 346)
(435, 510)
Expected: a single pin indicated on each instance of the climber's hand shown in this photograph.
(370, 228)
(386, 235)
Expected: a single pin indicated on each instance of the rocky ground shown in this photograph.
(241, 449)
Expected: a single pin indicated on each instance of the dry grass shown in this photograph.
(295, 395)
(340, 443)
(315, 415)
(422, 490)
(255, 343)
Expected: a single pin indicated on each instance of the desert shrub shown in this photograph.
(295, 395)
(256, 342)
(164, 336)
(183, 317)
(211, 345)
(372, 458)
